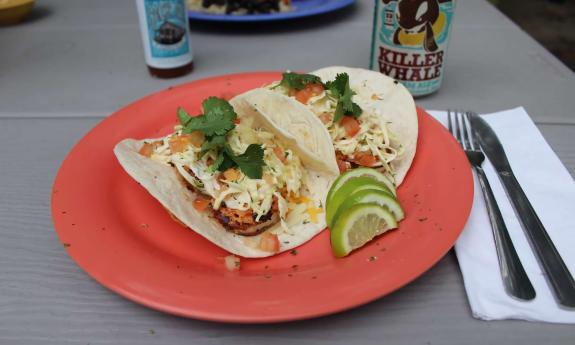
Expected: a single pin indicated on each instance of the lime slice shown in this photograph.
(367, 172)
(358, 225)
(370, 196)
(351, 185)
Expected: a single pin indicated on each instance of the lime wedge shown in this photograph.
(366, 172)
(358, 225)
(350, 186)
(370, 196)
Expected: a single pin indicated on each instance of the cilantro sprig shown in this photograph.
(298, 81)
(250, 162)
(339, 88)
(217, 120)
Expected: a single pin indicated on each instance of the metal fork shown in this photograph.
(515, 280)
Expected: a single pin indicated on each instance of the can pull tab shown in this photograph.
(429, 40)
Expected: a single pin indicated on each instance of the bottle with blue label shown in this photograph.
(166, 37)
(409, 42)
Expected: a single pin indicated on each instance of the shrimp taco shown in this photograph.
(232, 175)
(371, 118)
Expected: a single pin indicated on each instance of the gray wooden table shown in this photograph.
(75, 62)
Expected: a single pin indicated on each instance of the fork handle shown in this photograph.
(557, 273)
(515, 280)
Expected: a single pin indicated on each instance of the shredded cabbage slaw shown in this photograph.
(374, 136)
(283, 178)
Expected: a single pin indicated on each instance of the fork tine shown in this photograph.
(450, 121)
(465, 130)
(458, 129)
(474, 140)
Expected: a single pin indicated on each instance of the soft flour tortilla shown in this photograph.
(293, 122)
(164, 184)
(382, 94)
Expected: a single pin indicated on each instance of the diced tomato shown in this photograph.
(325, 118)
(237, 121)
(232, 174)
(149, 148)
(365, 159)
(316, 89)
(269, 242)
(146, 150)
(351, 125)
(280, 154)
(179, 143)
(342, 165)
(201, 204)
(309, 91)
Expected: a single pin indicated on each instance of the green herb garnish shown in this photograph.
(218, 118)
(250, 162)
(216, 121)
(340, 89)
(212, 143)
(298, 81)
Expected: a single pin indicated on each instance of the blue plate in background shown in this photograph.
(300, 8)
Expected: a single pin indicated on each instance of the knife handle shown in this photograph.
(555, 269)
(515, 280)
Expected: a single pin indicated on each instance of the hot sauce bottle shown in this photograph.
(166, 37)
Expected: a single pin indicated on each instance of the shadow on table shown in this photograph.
(272, 27)
(39, 12)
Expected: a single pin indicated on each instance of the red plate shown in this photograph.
(125, 240)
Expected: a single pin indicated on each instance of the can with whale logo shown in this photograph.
(409, 42)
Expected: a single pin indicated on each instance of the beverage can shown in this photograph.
(409, 42)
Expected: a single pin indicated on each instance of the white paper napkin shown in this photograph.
(551, 190)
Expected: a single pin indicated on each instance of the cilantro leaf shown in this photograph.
(298, 81)
(339, 112)
(338, 85)
(218, 118)
(183, 116)
(217, 163)
(340, 89)
(223, 162)
(212, 143)
(250, 162)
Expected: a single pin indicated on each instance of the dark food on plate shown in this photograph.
(240, 6)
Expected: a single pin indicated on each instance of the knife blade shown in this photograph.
(557, 274)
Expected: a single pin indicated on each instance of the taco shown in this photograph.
(234, 177)
(371, 118)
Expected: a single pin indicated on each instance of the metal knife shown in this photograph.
(558, 275)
